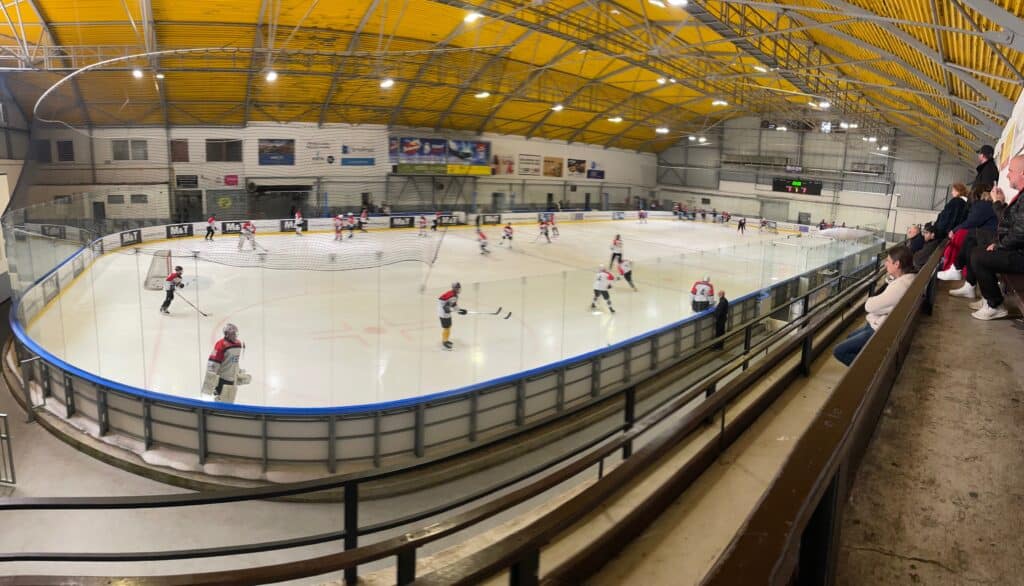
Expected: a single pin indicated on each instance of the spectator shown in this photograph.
(1005, 255)
(914, 238)
(988, 173)
(898, 266)
(931, 242)
(978, 228)
(954, 212)
(721, 318)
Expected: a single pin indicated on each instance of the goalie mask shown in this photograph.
(230, 331)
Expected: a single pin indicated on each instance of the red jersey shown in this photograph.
(212, 221)
(481, 236)
(248, 228)
(222, 349)
(364, 215)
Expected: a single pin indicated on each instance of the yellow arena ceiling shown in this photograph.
(606, 73)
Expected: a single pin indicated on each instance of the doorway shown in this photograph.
(99, 210)
(497, 202)
(188, 205)
(586, 202)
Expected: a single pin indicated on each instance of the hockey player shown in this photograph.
(298, 222)
(446, 303)
(642, 216)
(364, 218)
(702, 294)
(437, 220)
(552, 227)
(741, 226)
(616, 248)
(211, 228)
(247, 234)
(351, 225)
(223, 371)
(172, 281)
(506, 234)
(482, 239)
(339, 226)
(423, 226)
(602, 283)
(626, 270)
(543, 225)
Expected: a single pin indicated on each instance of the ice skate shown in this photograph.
(447, 345)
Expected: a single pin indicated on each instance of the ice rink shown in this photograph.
(317, 338)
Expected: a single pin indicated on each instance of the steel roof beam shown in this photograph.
(1009, 65)
(1011, 23)
(53, 41)
(257, 44)
(352, 44)
(490, 63)
(615, 138)
(621, 103)
(149, 37)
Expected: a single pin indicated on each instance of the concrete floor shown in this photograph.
(939, 497)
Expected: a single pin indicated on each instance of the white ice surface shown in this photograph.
(329, 338)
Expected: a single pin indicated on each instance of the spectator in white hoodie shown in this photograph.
(899, 265)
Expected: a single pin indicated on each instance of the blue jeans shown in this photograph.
(849, 348)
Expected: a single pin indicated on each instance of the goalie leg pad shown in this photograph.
(210, 383)
(227, 394)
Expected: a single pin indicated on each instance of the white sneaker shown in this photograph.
(976, 305)
(950, 274)
(987, 312)
(966, 291)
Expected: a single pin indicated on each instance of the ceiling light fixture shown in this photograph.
(615, 119)
(678, 2)
(615, 12)
(387, 83)
(671, 80)
(702, 140)
(482, 95)
(658, 3)
(844, 125)
(692, 138)
(872, 139)
(159, 76)
(137, 73)
(271, 76)
(719, 103)
(661, 130)
(557, 107)
(473, 17)
(781, 128)
(884, 147)
(661, 81)
(761, 69)
(824, 105)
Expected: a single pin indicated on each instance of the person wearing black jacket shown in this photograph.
(914, 238)
(988, 173)
(980, 227)
(721, 318)
(955, 210)
(931, 242)
(1005, 255)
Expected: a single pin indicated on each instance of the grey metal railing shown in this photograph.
(7, 475)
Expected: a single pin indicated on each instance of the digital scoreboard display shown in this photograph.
(801, 186)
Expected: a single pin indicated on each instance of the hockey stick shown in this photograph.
(185, 299)
(495, 312)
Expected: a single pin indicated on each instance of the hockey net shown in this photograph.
(159, 268)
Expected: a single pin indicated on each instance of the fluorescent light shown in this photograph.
(781, 128)
(662, 80)
(615, 119)
(824, 105)
(159, 76)
(483, 95)
(872, 139)
(387, 83)
(692, 138)
(661, 130)
(137, 73)
(473, 17)
(702, 139)
(671, 80)
(678, 2)
(761, 69)
(844, 125)
(719, 103)
(854, 126)
(657, 3)
(271, 75)
(616, 12)
(557, 107)
(884, 147)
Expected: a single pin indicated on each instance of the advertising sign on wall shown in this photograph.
(230, 227)
(577, 167)
(468, 170)
(553, 166)
(402, 221)
(596, 171)
(530, 164)
(276, 151)
(321, 152)
(503, 165)
(179, 230)
(473, 152)
(422, 169)
(358, 161)
(231, 180)
(131, 237)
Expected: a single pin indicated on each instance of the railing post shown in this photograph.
(595, 377)
(520, 402)
(376, 439)
(265, 442)
(748, 338)
(418, 431)
(147, 424)
(560, 391)
(628, 416)
(102, 415)
(26, 378)
(524, 571)
(474, 402)
(351, 527)
(69, 396)
(406, 566)
(654, 352)
(332, 439)
(201, 428)
(805, 354)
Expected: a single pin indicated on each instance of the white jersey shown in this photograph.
(617, 246)
(603, 281)
(247, 230)
(625, 266)
(703, 291)
(446, 303)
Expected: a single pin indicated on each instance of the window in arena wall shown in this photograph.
(223, 150)
(121, 150)
(140, 150)
(115, 198)
(65, 151)
(62, 199)
(41, 151)
(130, 150)
(140, 198)
(179, 150)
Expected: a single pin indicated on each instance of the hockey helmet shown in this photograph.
(178, 269)
(707, 278)
(456, 286)
(230, 331)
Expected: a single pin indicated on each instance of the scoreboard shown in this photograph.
(802, 186)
